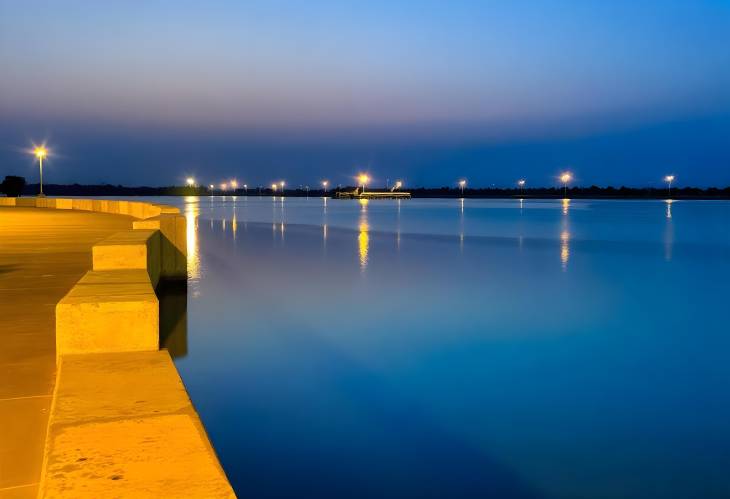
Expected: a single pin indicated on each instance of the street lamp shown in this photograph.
(363, 179)
(462, 184)
(669, 179)
(398, 184)
(245, 188)
(40, 152)
(521, 183)
(281, 184)
(234, 184)
(224, 186)
(565, 178)
(325, 183)
(273, 188)
(190, 181)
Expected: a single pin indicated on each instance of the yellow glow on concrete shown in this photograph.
(108, 311)
(134, 249)
(126, 428)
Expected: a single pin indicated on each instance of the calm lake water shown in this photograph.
(439, 348)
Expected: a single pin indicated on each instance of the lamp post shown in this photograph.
(273, 189)
(669, 179)
(282, 184)
(565, 178)
(462, 184)
(40, 152)
(398, 184)
(234, 185)
(245, 189)
(325, 183)
(363, 179)
(521, 183)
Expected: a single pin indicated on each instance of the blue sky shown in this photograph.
(144, 93)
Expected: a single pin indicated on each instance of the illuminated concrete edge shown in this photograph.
(121, 423)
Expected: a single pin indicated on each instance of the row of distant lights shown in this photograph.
(363, 180)
(41, 152)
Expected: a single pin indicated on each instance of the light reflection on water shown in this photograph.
(440, 348)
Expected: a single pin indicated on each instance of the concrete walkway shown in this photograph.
(42, 255)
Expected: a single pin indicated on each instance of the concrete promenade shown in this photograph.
(43, 253)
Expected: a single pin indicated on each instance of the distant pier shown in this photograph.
(372, 195)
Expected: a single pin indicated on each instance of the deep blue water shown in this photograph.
(434, 348)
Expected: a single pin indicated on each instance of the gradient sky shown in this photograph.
(144, 93)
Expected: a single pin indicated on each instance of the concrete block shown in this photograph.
(122, 425)
(64, 204)
(45, 203)
(25, 202)
(131, 249)
(173, 260)
(108, 311)
(82, 204)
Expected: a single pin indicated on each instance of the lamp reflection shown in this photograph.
(564, 248)
(363, 239)
(668, 232)
(565, 235)
(192, 210)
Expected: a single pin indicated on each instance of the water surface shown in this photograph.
(440, 348)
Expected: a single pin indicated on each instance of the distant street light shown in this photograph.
(234, 184)
(521, 183)
(462, 184)
(40, 152)
(281, 184)
(398, 184)
(363, 179)
(669, 179)
(273, 188)
(224, 186)
(190, 181)
(565, 178)
(245, 189)
(325, 183)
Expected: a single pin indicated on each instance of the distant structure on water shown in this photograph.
(359, 193)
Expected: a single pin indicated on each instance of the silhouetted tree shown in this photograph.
(12, 186)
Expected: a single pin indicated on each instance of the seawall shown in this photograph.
(121, 423)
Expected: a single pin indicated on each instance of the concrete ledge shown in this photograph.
(108, 311)
(122, 425)
(135, 209)
(173, 244)
(132, 249)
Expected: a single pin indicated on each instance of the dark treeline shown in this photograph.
(421, 192)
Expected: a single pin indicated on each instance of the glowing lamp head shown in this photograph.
(273, 187)
(521, 182)
(234, 184)
(462, 183)
(281, 184)
(40, 152)
(566, 177)
(398, 184)
(190, 181)
(224, 186)
(245, 186)
(669, 178)
(363, 179)
(325, 183)
(211, 186)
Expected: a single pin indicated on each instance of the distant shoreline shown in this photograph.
(594, 192)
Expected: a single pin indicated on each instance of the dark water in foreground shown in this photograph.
(430, 349)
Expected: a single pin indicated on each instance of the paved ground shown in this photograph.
(42, 255)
